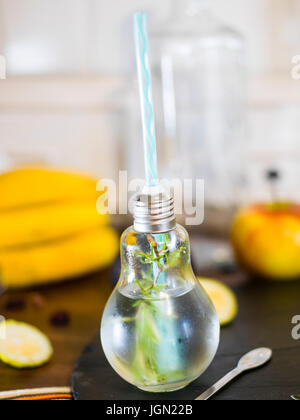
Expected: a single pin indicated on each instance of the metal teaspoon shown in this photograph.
(252, 360)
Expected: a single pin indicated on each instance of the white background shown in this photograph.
(69, 60)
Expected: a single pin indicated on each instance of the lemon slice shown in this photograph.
(223, 298)
(23, 346)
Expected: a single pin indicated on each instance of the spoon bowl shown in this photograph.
(255, 359)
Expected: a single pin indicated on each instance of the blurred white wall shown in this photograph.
(95, 35)
(65, 121)
(44, 36)
(63, 36)
(77, 120)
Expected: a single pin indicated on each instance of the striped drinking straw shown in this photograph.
(146, 98)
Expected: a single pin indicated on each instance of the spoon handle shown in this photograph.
(219, 385)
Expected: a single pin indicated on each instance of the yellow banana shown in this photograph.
(36, 186)
(55, 261)
(44, 223)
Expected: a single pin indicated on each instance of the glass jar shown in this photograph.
(199, 82)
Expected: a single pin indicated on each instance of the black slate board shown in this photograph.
(265, 320)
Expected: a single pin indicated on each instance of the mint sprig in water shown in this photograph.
(150, 313)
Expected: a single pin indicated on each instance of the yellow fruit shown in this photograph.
(24, 346)
(223, 299)
(36, 186)
(266, 240)
(58, 260)
(49, 227)
(44, 223)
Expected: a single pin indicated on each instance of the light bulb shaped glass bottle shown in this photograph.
(160, 331)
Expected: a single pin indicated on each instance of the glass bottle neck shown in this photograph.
(190, 7)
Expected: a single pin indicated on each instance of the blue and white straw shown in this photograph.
(146, 98)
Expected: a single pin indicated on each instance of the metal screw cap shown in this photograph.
(154, 213)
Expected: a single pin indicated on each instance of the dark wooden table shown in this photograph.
(264, 320)
(84, 300)
(266, 312)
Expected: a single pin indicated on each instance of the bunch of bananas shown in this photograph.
(50, 229)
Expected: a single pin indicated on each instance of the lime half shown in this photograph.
(223, 298)
(24, 346)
